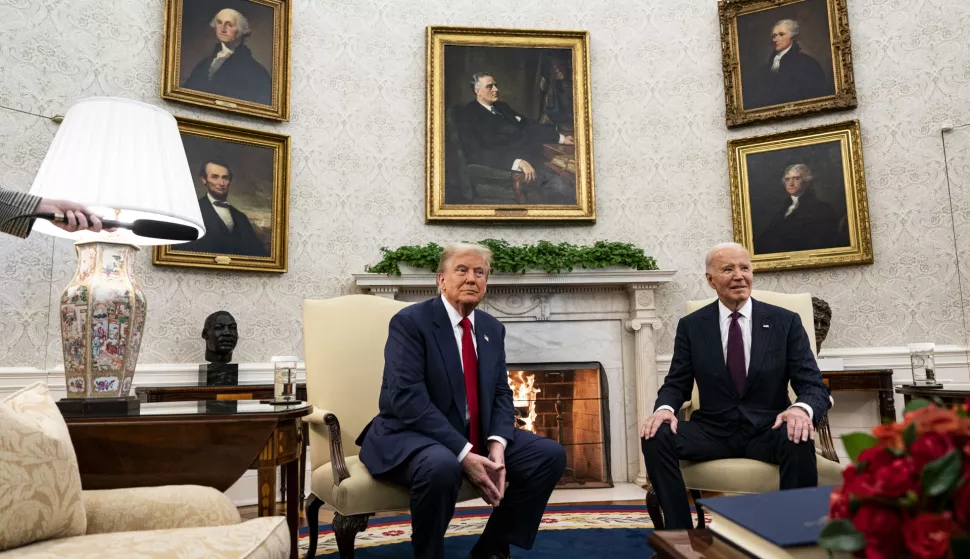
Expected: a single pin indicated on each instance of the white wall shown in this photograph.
(358, 157)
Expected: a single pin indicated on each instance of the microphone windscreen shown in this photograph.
(163, 230)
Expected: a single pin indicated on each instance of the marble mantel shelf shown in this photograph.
(575, 278)
(536, 307)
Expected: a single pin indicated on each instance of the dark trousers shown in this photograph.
(697, 442)
(434, 476)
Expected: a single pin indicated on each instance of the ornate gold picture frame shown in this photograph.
(798, 199)
(509, 136)
(242, 180)
(231, 55)
(784, 58)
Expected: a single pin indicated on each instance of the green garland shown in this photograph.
(550, 257)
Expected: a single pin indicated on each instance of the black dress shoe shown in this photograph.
(489, 555)
(484, 551)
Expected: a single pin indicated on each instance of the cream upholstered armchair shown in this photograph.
(344, 352)
(742, 475)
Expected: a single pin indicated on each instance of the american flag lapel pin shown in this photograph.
(486, 337)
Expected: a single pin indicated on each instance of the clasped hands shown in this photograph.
(487, 473)
(800, 428)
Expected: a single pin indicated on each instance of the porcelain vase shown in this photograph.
(102, 318)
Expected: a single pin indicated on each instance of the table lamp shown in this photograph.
(123, 160)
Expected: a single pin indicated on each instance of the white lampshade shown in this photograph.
(123, 160)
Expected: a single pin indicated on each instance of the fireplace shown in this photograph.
(568, 403)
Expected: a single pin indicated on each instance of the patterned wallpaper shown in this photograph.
(358, 157)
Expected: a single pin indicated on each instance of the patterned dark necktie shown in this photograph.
(735, 353)
(469, 362)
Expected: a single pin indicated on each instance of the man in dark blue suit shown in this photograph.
(742, 354)
(446, 413)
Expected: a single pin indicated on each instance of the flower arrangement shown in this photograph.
(906, 493)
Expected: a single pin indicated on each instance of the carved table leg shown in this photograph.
(266, 481)
(292, 506)
(284, 495)
(266, 477)
(887, 400)
(304, 442)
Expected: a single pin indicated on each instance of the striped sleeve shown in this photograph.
(13, 203)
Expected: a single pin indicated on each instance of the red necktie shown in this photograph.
(469, 362)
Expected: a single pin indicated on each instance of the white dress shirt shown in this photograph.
(455, 318)
(793, 206)
(224, 214)
(515, 164)
(219, 59)
(776, 63)
(744, 321)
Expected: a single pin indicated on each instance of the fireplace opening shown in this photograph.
(568, 403)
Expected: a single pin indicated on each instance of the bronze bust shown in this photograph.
(823, 320)
(220, 335)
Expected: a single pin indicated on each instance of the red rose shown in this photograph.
(896, 479)
(861, 485)
(927, 536)
(875, 457)
(881, 527)
(961, 505)
(929, 447)
(880, 552)
(838, 504)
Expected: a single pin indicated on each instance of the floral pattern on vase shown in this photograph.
(102, 317)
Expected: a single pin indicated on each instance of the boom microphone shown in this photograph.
(152, 228)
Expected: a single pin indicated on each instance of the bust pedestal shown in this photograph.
(219, 374)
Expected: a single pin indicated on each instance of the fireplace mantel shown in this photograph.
(608, 298)
(380, 284)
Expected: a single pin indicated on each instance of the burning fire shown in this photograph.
(524, 398)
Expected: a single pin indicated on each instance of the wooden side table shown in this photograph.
(200, 443)
(948, 395)
(880, 381)
(243, 391)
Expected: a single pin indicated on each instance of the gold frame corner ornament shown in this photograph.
(859, 250)
(436, 210)
(169, 255)
(840, 44)
(280, 76)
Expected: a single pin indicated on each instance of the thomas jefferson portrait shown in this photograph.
(798, 199)
(234, 183)
(785, 54)
(509, 127)
(227, 49)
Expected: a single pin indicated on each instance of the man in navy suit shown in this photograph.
(446, 413)
(742, 354)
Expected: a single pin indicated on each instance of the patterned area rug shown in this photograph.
(589, 531)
